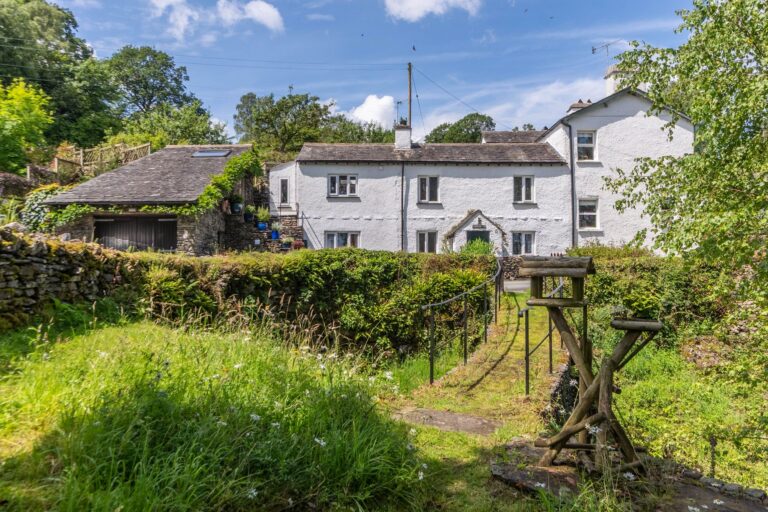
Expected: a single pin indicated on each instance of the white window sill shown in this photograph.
(344, 197)
(532, 203)
(594, 162)
(590, 230)
(430, 203)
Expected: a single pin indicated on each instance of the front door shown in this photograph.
(485, 236)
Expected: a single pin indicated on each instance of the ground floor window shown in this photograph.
(485, 236)
(587, 213)
(523, 242)
(427, 241)
(335, 239)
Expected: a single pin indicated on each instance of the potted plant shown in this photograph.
(298, 244)
(262, 218)
(288, 242)
(237, 204)
(250, 211)
(276, 230)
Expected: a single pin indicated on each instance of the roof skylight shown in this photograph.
(210, 153)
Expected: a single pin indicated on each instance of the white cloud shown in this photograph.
(615, 29)
(183, 18)
(414, 10)
(265, 14)
(320, 17)
(208, 39)
(375, 109)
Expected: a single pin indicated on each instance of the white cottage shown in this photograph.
(537, 192)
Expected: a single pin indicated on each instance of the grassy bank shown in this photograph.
(145, 417)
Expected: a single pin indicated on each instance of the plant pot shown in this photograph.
(298, 244)
(287, 245)
(237, 208)
(262, 226)
(275, 235)
(248, 217)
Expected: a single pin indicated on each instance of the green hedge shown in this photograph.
(367, 298)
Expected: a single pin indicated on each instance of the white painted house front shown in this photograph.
(526, 192)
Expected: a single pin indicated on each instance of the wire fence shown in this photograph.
(465, 316)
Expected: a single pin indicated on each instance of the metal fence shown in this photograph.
(464, 308)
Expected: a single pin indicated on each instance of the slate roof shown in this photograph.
(519, 136)
(169, 176)
(539, 153)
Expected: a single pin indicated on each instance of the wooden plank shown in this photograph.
(602, 457)
(556, 262)
(567, 432)
(552, 272)
(633, 324)
(571, 344)
(556, 302)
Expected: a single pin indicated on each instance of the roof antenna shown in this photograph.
(605, 46)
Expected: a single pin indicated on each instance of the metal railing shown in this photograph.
(497, 280)
(528, 352)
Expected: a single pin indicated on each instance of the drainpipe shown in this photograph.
(572, 166)
(402, 206)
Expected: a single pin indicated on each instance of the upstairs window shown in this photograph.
(428, 189)
(523, 192)
(342, 185)
(522, 243)
(427, 241)
(585, 145)
(336, 239)
(587, 213)
(283, 191)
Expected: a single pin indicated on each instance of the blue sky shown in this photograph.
(517, 60)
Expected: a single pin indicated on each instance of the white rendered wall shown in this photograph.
(624, 133)
(278, 172)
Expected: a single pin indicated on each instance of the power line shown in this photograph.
(418, 103)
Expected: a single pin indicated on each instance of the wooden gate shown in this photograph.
(136, 233)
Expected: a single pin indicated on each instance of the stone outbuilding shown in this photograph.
(127, 202)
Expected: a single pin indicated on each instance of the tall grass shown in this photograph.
(146, 417)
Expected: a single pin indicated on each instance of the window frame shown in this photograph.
(426, 234)
(335, 234)
(592, 145)
(287, 192)
(523, 234)
(352, 181)
(596, 213)
(523, 179)
(428, 191)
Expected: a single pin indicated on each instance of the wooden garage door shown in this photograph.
(136, 233)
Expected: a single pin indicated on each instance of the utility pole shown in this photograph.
(410, 93)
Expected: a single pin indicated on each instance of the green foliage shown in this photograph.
(709, 204)
(165, 125)
(148, 78)
(143, 417)
(262, 214)
(24, 116)
(9, 210)
(467, 129)
(341, 129)
(34, 214)
(283, 125)
(477, 247)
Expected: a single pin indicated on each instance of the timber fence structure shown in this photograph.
(470, 329)
(71, 163)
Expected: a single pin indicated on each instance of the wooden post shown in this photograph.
(604, 407)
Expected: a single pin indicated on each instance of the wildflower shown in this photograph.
(276, 424)
(248, 434)
(319, 357)
(396, 389)
(221, 423)
(629, 476)
(409, 447)
(718, 502)
(215, 376)
(290, 502)
(424, 465)
(594, 430)
(307, 392)
(412, 432)
(574, 382)
(693, 509)
(252, 493)
(255, 417)
(238, 366)
(46, 356)
(540, 484)
(371, 379)
(322, 367)
(344, 397)
(705, 507)
(388, 375)
(102, 354)
(321, 442)
(333, 356)
(421, 475)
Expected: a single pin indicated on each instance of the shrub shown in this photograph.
(477, 247)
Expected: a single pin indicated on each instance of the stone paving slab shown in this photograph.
(449, 421)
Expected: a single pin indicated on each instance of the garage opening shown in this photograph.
(136, 233)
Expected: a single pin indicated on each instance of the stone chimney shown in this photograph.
(612, 78)
(402, 136)
(578, 106)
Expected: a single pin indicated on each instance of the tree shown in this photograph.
(710, 204)
(468, 129)
(148, 78)
(282, 125)
(41, 46)
(24, 117)
(189, 124)
(341, 129)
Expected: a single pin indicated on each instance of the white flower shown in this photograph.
(574, 382)
(718, 502)
(396, 389)
(319, 357)
(594, 430)
(371, 379)
(276, 424)
(333, 356)
(424, 465)
(248, 434)
(238, 366)
(540, 484)
(388, 375)
(255, 417)
(102, 354)
(216, 376)
(252, 493)
(693, 509)
(629, 476)
(344, 396)
(421, 475)
(409, 447)
(221, 423)
(321, 442)
(705, 507)
(412, 432)
(290, 502)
